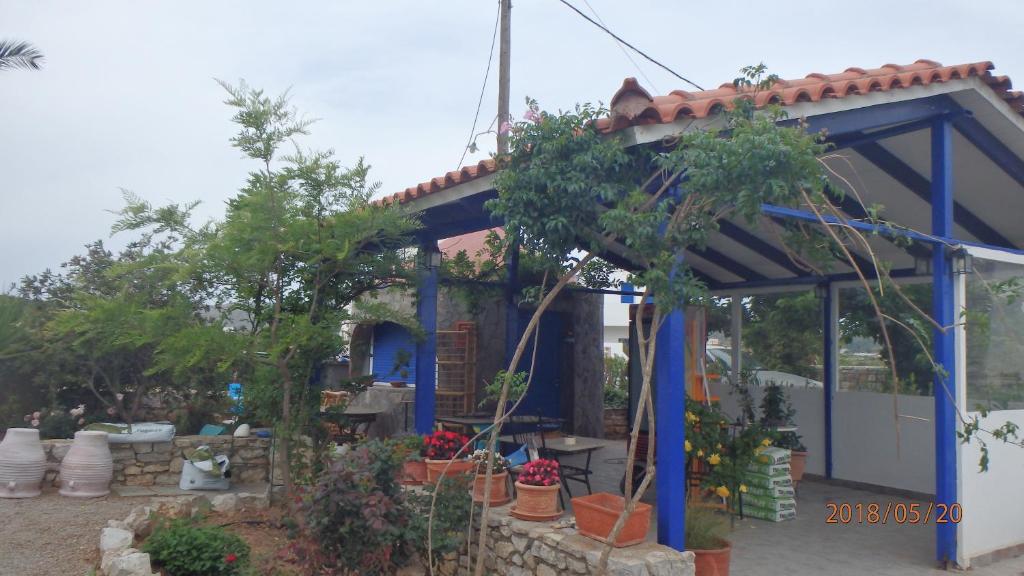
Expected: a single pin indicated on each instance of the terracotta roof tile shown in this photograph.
(634, 106)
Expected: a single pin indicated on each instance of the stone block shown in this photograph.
(251, 453)
(163, 447)
(142, 447)
(156, 467)
(252, 476)
(224, 503)
(132, 470)
(184, 442)
(140, 521)
(153, 457)
(253, 501)
(545, 570)
(168, 479)
(140, 480)
(115, 540)
(177, 463)
(134, 564)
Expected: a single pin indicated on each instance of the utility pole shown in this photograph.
(504, 57)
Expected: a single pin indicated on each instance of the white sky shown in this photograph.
(127, 97)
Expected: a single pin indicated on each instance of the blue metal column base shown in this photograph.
(830, 318)
(944, 341)
(426, 349)
(670, 391)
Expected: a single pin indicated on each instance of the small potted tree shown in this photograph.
(414, 468)
(778, 414)
(442, 447)
(401, 367)
(499, 477)
(537, 491)
(706, 532)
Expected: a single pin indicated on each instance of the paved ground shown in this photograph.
(52, 535)
(808, 546)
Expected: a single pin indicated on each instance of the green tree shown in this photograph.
(16, 54)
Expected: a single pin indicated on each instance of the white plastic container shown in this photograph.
(195, 478)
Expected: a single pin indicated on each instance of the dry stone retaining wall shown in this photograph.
(516, 548)
(160, 463)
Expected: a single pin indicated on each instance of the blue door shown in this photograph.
(392, 342)
(545, 388)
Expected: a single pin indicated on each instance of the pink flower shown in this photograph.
(505, 127)
(111, 411)
(35, 423)
(119, 396)
(28, 417)
(36, 415)
(81, 421)
(532, 116)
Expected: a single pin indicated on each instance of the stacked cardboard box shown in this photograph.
(770, 493)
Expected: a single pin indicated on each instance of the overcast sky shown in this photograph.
(127, 97)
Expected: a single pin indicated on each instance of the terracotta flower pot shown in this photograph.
(597, 513)
(537, 500)
(414, 472)
(435, 468)
(88, 468)
(22, 463)
(797, 464)
(499, 488)
(712, 562)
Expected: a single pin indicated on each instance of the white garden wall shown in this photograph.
(991, 502)
(864, 440)
(863, 436)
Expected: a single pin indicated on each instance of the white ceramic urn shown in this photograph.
(88, 468)
(22, 463)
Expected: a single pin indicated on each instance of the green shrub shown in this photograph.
(451, 514)
(183, 548)
(705, 528)
(616, 381)
(357, 511)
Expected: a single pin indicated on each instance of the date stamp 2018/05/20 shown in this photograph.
(895, 512)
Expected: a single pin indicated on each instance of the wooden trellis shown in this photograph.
(456, 370)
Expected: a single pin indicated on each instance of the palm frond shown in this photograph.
(17, 54)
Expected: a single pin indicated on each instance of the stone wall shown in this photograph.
(516, 547)
(616, 423)
(160, 463)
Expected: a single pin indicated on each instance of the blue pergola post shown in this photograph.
(944, 342)
(830, 324)
(670, 391)
(426, 349)
(511, 309)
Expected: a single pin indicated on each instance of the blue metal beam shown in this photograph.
(878, 116)
(810, 281)
(991, 147)
(755, 244)
(722, 261)
(858, 138)
(853, 209)
(670, 390)
(911, 180)
(943, 209)
(426, 349)
(830, 373)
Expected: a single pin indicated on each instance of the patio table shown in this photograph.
(472, 422)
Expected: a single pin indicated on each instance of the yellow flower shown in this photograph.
(766, 442)
(691, 417)
(719, 446)
(722, 491)
(743, 488)
(700, 453)
(688, 446)
(714, 460)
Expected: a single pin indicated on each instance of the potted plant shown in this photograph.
(705, 537)
(778, 413)
(596, 514)
(499, 477)
(414, 467)
(401, 367)
(441, 449)
(537, 491)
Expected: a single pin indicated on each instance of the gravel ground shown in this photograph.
(55, 536)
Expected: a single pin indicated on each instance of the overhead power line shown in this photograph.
(483, 89)
(624, 51)
(634, 48)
